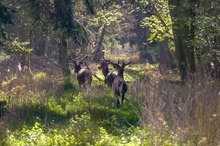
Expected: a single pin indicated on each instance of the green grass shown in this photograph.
(46, 110)
(41, 113)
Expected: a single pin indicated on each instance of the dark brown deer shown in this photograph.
(119, 85)
(109, 76)
(84, 75)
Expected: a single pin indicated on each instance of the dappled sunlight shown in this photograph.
(151, 105)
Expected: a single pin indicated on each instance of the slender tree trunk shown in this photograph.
(145, 38)
(165, 56)
(46, 45)
(98, 52)
(143, 33)
(63, 53)
(99, 49)
(25, 55)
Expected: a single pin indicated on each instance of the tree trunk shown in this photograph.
(179, 41)
(143, 33)
(98, 52)
(165, 56)
(191, 47)
(183, 19)
(25, 55)
(63, 53)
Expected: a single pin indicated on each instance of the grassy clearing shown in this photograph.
(45, 107)
(50, 110)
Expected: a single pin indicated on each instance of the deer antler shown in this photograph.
(103, 55)
(72, 60)
(103, 58)
(84, 75)
(73, 55)
(80, 61)
(125, 64)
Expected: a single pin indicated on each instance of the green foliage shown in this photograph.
(8, 81)
(38, 76)
(159, 23)
(78, 118)
(68, 85)
(59, 16)
(33, 136)
(79, 131)
(106, 18)
(107, 21)
(17, 46)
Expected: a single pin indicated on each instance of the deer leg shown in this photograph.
(122, 98)
(84, 86)
(80, 86)
(117, 100)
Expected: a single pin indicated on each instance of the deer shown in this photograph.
(84, 75)
(109, 76)
(119, 85)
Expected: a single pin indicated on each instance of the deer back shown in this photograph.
(109, 76)
(84, 75)
(119, 85)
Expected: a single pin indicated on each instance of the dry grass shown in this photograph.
(191, 110)
(132, 57)
(186, 113)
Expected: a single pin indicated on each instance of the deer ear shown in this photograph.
(79, 63)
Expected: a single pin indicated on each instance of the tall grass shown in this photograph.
(185, 113)
(50, 110)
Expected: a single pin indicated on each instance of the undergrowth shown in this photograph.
(48, 110)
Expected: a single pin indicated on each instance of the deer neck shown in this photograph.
(121, 74)
(105, 71)
(77, 69)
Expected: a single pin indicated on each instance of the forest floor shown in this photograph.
(43, 108)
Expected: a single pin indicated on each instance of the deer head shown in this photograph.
(84, 76)
(109, 76)
(119, 68)
(77, 63)
(104, 65)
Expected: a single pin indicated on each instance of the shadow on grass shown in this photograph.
(58, 109)
(103, 110)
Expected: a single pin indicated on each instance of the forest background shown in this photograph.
(173, 93)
